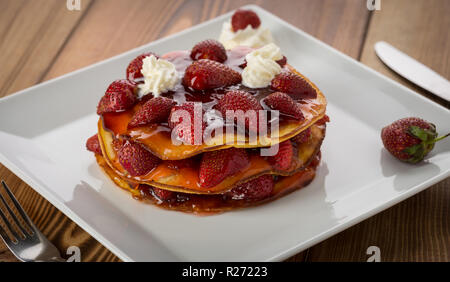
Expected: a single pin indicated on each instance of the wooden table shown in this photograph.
(42, 39)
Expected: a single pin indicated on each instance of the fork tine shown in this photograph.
(8, 225)
(19, 208)
(4, 235)
(13, 215)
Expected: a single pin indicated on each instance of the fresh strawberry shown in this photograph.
(136, 159)
(242, 18)
(240, 100)
(323, 120)
(303, 136)
(134, 68)
(209, 49)
(218, 165)
(155, 110)
(120, 96)
(283, 159)
(294, 85)
(164, 195)
(282, 62)
(253, 190)
(185, 129)
(93, 144)
(206, 74)
(410, 139)
(283, 103)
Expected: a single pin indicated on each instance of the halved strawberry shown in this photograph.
(285, 104)
(120, 96)
(206, 74)
(242, 18)
(209, 49)
(240, 100)
(323, 120)
(93, 144)
(253, 190)
(135, 66)
(155, 110)
(303, 136)
(164, 195)
(185, 130)
(283, 159)
(282, 62)
(136, 160)
(218, 165)
(294, 85)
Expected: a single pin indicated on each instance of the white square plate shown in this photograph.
(43, 131)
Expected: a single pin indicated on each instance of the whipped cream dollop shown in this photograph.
(261, 66)
(252, 37)
(159, 76)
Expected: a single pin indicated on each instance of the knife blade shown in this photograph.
(413, 70)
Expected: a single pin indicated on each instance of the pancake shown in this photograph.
(186, 179)
(206, 204)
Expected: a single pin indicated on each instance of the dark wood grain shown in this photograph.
(417, 229)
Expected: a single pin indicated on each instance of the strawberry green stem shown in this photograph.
(440, 138)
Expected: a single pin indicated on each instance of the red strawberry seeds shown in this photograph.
(410, 139)
(285, 104)
(243, 18)
(164, 195)
(240, 100)
(93, 144)
(253, 190)
(207, 74)
(120, 96)
(209, 49)
(136, 160)
(155, 110)
(190, 131)
(218, 165)
(293, 85)
(283, 159)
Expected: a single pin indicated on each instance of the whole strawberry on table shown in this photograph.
(410, 139)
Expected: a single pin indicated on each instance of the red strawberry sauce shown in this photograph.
(116, 122)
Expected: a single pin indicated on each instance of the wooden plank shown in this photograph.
(112, 27)
(421, 29)
(101, 35)
(32, 33)
(417, 229)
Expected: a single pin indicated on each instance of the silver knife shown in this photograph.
(413, 70)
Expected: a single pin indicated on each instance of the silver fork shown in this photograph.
(26, 246)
